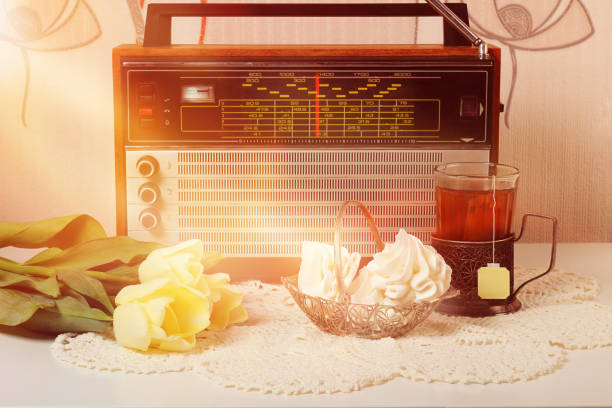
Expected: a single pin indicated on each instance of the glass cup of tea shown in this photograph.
(474, 208)
(475, 201)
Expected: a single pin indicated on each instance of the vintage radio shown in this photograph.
(253, 148)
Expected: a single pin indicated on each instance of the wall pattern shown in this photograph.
(530, 26)
(49, 26)
(56, 116)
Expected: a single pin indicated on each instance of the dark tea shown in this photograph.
(466, 215)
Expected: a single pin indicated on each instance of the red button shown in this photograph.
(145, 111)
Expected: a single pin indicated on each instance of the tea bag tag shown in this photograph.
(493, 282)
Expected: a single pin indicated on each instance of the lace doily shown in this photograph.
(279, 350)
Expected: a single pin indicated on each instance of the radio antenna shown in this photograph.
(461, 26)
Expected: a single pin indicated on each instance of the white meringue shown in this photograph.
(405, 271)
(317, 275)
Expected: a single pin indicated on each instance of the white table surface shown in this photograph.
(29, 375)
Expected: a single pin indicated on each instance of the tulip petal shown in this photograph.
(156, 309)
(154, 267)
(185, 268)
(178, 344)
(171, 324)
(219, 318)
(195, 247)
(133, 292)
(131, 326)
(226, 304)
(238, 315)
(181, 263)
(218, 279)
(157, 333)
(203, 287)
(191, 308)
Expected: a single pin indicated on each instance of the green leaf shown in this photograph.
(47, 286)
(123, 273)
(98, 252)
(116, 279)
(53, 322)
(16, 267)
(61, 232)
(44, 255)
(87, 286)
(17, 307)
(69, 306)
(74, 294)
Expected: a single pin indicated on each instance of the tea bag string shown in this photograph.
(494, 205)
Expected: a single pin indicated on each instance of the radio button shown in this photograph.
(147, 166)
(145, 94)
(149, 218)
(145, 111)
(469, 107)
(145, 89)
(145, 99)
(146, 123)
(148, 193)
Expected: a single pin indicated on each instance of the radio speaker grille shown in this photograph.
(265, 203)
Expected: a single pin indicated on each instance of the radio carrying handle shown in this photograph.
(158, 26)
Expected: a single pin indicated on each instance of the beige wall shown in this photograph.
(560, 121)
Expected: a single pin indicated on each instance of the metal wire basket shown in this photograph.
(344, 318)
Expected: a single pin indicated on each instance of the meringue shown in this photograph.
(403, 272)
(317, 275)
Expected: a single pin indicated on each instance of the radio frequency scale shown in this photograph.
(253, 148)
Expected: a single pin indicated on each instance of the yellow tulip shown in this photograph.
(225, 301)
(160, 314)
(182, 263)
(175, 301)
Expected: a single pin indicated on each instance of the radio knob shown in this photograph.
(149, 218)
(147, 166)
(148, 193)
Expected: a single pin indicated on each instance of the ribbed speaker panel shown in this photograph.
(265, 203)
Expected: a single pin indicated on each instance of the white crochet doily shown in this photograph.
(279, 350)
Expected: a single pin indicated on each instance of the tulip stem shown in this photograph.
(109, 277)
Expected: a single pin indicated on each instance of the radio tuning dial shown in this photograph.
(149, 218)
(147, 166)
(149, 193)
